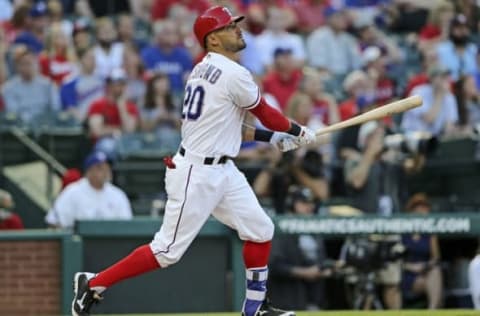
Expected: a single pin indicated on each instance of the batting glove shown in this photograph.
(284, 142)
(306, 136)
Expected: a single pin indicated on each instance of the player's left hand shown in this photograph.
(284, 142)
(307, 136)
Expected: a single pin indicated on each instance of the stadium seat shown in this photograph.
(139, 177)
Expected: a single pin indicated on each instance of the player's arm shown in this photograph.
(277, 122)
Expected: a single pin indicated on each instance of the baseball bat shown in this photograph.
(375, 114)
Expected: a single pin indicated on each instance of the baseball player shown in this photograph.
(201, 179)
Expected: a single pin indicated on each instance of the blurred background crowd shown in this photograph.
(115, 71)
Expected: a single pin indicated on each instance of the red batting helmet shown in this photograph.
(211, 20)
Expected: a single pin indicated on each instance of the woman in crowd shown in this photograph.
(422, 274)
(58, 59)
(159, 115)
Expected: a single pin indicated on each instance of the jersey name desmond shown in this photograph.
(218, 93)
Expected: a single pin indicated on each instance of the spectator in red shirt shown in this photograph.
(112, 115)
(58, 59)
(8, 220)
(283, 80)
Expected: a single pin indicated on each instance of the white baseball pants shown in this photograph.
(195, 191)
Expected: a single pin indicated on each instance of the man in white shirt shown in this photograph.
(91, 197)
(276, 36)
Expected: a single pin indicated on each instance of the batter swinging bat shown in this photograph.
(375, 114)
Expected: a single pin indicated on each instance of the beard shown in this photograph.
(460, 40)
(236, 47)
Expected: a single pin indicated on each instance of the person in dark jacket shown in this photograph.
(299, 262)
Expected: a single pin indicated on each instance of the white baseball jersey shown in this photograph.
(217, 95)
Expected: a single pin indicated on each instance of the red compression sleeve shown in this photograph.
(271, 117)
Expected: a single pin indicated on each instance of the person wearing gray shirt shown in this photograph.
(28, 94)
(330, 48)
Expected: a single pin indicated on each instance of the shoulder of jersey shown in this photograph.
(227, 64)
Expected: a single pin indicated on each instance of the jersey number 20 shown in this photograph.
(193, 103)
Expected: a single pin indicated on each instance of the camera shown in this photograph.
(312, 164)
(371, 254)
(412, 143)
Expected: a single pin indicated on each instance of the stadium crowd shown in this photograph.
(117, 69)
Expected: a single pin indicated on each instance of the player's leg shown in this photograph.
(241, 210)
(190, 202)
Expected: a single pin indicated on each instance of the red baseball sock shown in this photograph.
(141, 260)
(255, 254)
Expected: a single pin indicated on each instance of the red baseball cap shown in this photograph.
(211, 20)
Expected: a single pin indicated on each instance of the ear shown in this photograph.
(213, 40)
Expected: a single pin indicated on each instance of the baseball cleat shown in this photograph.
(83, 297)
(266, 309)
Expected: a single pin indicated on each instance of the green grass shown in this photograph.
(453, 312)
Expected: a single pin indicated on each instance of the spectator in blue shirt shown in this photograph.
(438, 114)
(458, 53)
(28, 95)
(166, 56)
(35, 29)
(79, 90)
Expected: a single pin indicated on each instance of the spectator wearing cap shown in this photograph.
(34, 31)
(283, 80)
(438, 27)
(458, 53)
(108, 52)
(276, 36)
(167, 56)
(439, 113)
(83, 87)
(421, 266)
(27, 94)
(112, 115)
(331, 48)
(370, 35)
(91, 198)
(298, 262)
